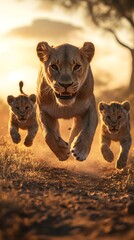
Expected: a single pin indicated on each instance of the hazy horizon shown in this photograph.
(28, 23)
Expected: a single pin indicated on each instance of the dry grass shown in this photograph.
(39, 201)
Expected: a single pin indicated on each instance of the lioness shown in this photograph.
(115, 126)
(65, 90)
(22, 116)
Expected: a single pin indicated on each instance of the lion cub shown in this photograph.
(115, 121)
(22, 115)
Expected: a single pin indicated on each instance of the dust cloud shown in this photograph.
(93, 165)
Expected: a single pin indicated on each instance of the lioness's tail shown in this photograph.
(21, 84)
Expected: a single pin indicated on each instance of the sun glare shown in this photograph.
(15, 13)
(17, 54)
(10, 85)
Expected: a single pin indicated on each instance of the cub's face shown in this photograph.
(114, 115)
(22, 106)
(65, 68)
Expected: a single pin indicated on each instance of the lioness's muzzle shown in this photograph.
(65, 95)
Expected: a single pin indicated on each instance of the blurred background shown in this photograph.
(109, 24)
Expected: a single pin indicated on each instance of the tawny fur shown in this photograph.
(22, 116)
(115, 126)
(65, 90)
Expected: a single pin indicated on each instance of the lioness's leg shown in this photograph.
(50, 127)
(82, 143)
(125, 146)
(15, 134)
(105, 149)
(76, 128)
(31, 135)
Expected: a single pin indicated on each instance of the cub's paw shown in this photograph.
(16, 137)
(80, 149)
(107, 153)
(121, 163)
(28, 142)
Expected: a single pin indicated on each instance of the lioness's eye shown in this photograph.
(76, 67)
(119, 117)
(17, 108)
(54, 67)
(108, 117)
(26, 107)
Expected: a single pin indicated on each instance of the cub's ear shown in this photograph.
(126, 105)
(10, 100)
(32, 97)
(102, 106)
(88, 50)
(43, 51)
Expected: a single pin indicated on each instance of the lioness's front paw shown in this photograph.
(80, 149)
(16, 137)
(107, 153)
(63, 150)
(58, 146)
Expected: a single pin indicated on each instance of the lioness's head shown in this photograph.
(114, 115)
(65, 68)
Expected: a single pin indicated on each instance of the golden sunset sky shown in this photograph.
(24, 23)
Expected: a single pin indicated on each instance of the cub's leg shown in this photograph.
(125, 146)
(15, 134)
(32, 131)
(86, 127)
(105, 149)
(50, 127)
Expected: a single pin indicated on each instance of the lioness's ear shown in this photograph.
(10, 100)
(88, 49)
(32, 97)
(43, 51)
(102, 106)
(126, 105)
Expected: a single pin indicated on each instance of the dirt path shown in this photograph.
(55, 203)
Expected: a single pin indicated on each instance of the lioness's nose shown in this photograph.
(65, 80)
(65, 85)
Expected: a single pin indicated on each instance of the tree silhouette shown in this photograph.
(113, 16)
